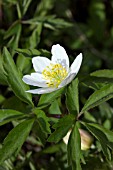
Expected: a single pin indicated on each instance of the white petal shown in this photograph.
(73, 70)
(67, 80)
(59, 55)
(42, 90)
(76, 64)
(39, 63)
(35, 79)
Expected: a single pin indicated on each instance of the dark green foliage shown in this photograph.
(32, 126)
(74, 149)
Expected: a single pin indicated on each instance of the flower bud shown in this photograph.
(86, 139)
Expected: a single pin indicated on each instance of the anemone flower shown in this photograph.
(53, 74)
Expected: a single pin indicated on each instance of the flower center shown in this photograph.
(54, 74)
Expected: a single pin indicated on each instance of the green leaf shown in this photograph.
(23, 63)
(106, 110)
(96, 82)
(98, 97)
(107, 132)
(102, 139)
(13, 29)
(98, 79)
(54, 108)
(22, 7)
(14, 103)
(7, 115)
(35, 37)
(61, 128)
(25, 5)
(44, 7)
(28, 52)
(88, 116)
(14, 32)
(33, 52)
(74, 148)
(2, 99)
(42, 120)
(10, 1)
(47, 99)
(15, 139)
(40, 133)
(103, 73)
(68, 119)
(49, 22)
(72, 97)
(3, 78)
(52, 149)
(14, 79)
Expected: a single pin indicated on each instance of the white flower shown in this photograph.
(86, 139)
(52, 74)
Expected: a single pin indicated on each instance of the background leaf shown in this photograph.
(14, 79)
(107, 132)
(72, 97)
(102, 139)
(3, 78)
(46, 99)
(74, 149)
(43, 121)
(15, 139)
(98, 97)
(13, 33)
(7, 115)
(106, 73)
(34, 39)
(61, 128)
(55, 108)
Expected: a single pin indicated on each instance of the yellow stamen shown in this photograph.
(54, 74)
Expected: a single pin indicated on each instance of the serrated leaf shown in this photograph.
(7, 115)
(15, 139)
(42, 120)
(14, 79)
(72, 97)
(107, 132)
(74, 149)
(61, 128)
(68, 119)
(46, 99)
(102, 139)
(98, 97)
